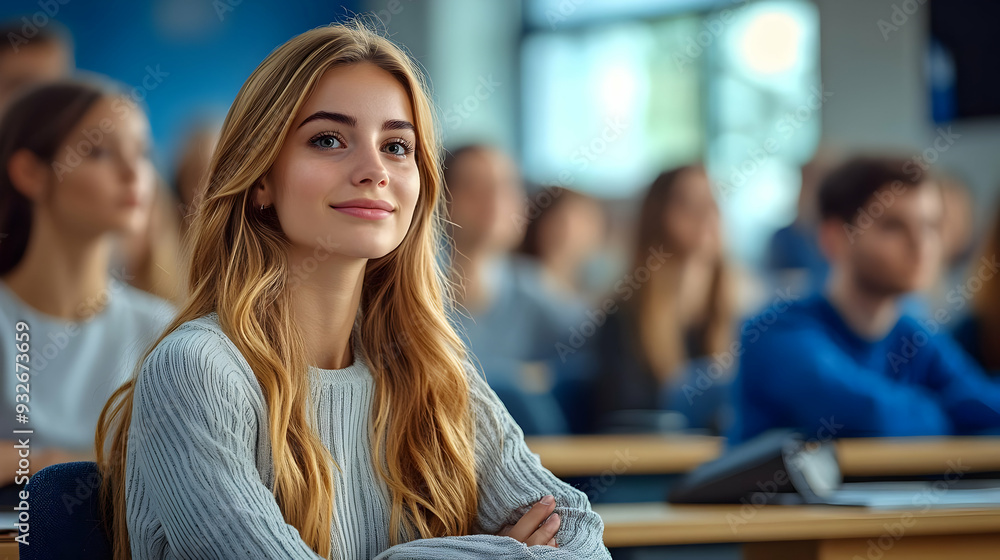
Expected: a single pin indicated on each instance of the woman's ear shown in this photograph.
(262, 193)
(27, 173)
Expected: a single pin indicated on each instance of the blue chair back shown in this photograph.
(64, 517)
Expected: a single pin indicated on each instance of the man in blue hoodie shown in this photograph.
(847, 362)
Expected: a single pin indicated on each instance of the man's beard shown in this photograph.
(873, 281)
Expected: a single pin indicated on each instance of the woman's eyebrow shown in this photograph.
(398, 125)
(393, 124)
(335, 117)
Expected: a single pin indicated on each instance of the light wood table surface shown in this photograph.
(809, 532)
(568, 456)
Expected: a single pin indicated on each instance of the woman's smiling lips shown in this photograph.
(367, 208)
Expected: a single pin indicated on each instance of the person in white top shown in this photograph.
(75, 173)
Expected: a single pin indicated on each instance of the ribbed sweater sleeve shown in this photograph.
(511, 479)
(192, 436)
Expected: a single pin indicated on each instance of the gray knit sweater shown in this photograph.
(199, 475)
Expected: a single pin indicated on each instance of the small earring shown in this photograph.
(261, 207)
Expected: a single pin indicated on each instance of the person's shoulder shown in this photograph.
(197, 352)
(482, 397)
(925, 329)
(788, 310)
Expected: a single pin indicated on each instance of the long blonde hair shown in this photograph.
(423, 429)
(668, 347)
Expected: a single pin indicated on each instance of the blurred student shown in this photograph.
(979, 332)
(793, 253)
(565, 229)
(564, 237)
(153, 255)
(503, 311)
(846, 362)
(149, 255)
(957, 247)
(191, 170)
(64, 198)
(311, 399)
(674, 308)
(47, 54)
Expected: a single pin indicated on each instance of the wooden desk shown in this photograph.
(809, 532)
(915, 456)
(653, 454)
(624, 454)
(8, 549)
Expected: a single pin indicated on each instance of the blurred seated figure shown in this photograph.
(151, 253)
(508, 320)
(153, 256)
(25, 61)
(846, 362)
(564, 237)
(793, 253)
(191, 169)
(670, 320)
(979, 332)
(64, 199)
(565, 231)
(957, 247)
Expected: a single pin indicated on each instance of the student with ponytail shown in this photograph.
(311, 399)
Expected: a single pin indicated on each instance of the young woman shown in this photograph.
(74, 177)
(562, 237)
(682, 311)
(311, 399)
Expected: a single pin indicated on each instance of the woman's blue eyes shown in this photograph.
(404, 148)
(328, 141)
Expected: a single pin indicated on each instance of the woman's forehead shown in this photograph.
(367, 94)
